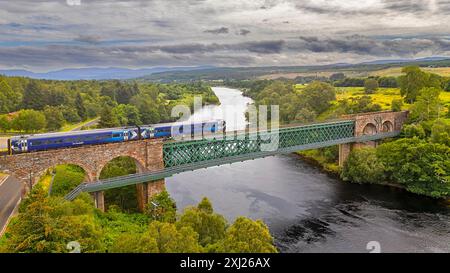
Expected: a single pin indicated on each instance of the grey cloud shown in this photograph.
(408, 6)
(244, 32)
(261, 47)
(266, 47)
(90, 39)
(309, 6)
(363, 45)
(222, 30)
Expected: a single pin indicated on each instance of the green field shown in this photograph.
(383, 97)
(397, 71)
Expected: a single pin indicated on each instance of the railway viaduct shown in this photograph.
(154, 155)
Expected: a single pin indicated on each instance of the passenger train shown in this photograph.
(41, 142)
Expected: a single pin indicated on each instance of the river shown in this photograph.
(307, 210)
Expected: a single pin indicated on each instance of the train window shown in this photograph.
(116, 135)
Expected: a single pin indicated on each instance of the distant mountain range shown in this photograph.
(97, 73)
(188, 73)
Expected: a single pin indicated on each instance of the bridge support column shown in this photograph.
(146, 191)
(344, 151)
(99, 198)
(142, 196)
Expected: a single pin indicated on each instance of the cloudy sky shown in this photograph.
(42, 35)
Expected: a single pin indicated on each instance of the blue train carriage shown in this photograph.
(179, 129)
(41, 142)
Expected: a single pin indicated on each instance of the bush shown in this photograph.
(67, 177)
(363, 166)
(209, 225)
(370, 86)
(421, 167)
(247, 236)
(162, 207)
(413, 130)
(4, 123)
(396, 105)
(29, 121)
(440, 132)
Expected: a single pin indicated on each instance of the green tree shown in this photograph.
(370, 86)
(5, 125)
(161, 207)
(305, 115)
(427, 106)
(413, 81)
(125, 92)
(440, 132)
(421, 167)
(205, 206)
(318, 96)
(70, 114)
(109, 91)
(47, 224)
(337, 77)
(54, 117)
(134, 243)
(66, 178)
(127, 114)
(57, 97)
(356, 105)
(29, 121)
(8, 98)
(363, 166)
(396, 105)
(169, 239)
(108, 119)
(202, 219)
(247, 236)
(34, 96)
(413, 130)
(79, 105)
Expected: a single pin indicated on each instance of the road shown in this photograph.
(90, 123)
(10, 193)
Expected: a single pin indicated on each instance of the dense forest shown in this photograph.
(28, 105)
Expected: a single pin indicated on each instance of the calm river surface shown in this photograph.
(305, 209)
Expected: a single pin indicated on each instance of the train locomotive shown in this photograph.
(49, 141)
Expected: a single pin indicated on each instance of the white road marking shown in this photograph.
(3, 181)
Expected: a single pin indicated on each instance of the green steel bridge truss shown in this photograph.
(184, 156)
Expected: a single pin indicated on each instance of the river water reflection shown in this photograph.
(305, 209)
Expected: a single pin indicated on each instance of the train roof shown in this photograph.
(93, 131)
(180, 122)
(71, 133)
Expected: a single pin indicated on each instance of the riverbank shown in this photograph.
(313, 158)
